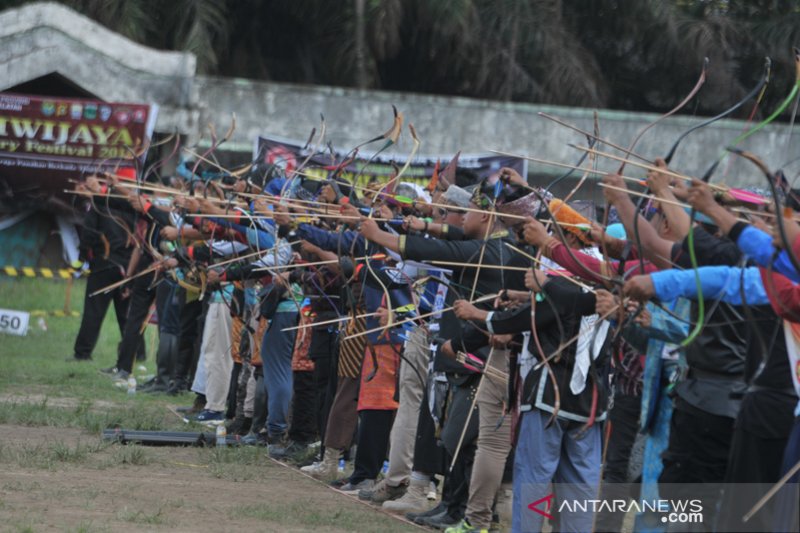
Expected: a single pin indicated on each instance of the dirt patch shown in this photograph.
(88, 486)
(24, 435)
(50, 401)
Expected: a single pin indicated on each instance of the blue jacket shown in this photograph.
(733, 285)
(758, 246)
(342, 242)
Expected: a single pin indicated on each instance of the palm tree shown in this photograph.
(640, 55)
(197, 26)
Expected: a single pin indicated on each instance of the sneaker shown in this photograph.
(197, 406)
(440, 521)
(110, 371)
(177, 386)
(208, 417)
(255, 439)
(155, 387)
(439, 509)
(276, 443)
(300, 454)
(353, 489)
(240, 425)
(464, 527)
(287, 449)
(120, 376)
(382, 492)
(149, 383)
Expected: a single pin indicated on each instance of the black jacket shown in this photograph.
(489, 280)
(558, 318)
(107, 223)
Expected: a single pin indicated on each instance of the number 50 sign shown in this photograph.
(14, 322)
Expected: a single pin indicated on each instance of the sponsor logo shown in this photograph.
(48, 108)
(76, 111)
(105, 112)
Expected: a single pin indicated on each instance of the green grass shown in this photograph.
(132, 454)
(39, 388)
(36, 362)
(35, 366)
(48, 455)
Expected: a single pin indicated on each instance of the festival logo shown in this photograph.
(105, 113)
(90, 112)
(62, 109)
(139, 115)
(76, 111)
(48, 108)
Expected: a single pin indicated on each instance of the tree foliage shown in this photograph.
(640, 55)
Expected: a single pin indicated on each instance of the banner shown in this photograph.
(288, 154)
(46, 140)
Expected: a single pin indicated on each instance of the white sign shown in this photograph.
(14, 322)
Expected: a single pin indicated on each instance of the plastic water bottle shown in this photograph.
(341, 465)
(385, 467)
(431, 491)
(222, 435)
(131, 386)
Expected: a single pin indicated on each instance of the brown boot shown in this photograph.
(328, 468)
(415, 500)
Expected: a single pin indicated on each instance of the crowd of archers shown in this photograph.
(481, 335)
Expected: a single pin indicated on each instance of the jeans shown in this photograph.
(276, 355)
(562, 456)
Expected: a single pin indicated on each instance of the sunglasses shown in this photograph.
(444, 211)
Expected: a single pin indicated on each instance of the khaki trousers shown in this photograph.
(494, 444)
(404, 429)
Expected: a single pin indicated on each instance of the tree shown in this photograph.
(640, 55)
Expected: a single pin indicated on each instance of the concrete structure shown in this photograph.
(45, 38)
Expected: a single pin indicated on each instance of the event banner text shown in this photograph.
(61, 137)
